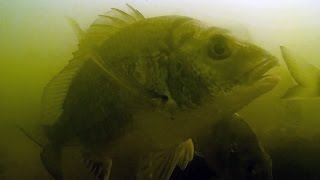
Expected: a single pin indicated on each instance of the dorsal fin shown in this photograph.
(110, 22)
(102, 28)
(115, 19)
(124, 14)
(76, 28)
(137, 13)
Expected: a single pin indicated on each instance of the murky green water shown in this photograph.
(36, 42)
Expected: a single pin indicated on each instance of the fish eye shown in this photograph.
(219, 48)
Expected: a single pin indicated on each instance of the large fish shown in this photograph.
(139, 90)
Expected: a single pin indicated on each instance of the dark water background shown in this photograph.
(36, 42)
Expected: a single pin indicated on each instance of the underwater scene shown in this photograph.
(159, 90)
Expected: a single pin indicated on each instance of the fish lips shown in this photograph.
(257, 75)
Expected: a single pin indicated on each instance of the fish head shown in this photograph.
(228, 71)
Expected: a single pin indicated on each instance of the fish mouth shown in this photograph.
(260, 71)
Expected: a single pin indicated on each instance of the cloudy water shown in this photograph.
(36, 42)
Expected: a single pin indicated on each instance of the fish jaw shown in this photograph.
(259, 80)
(250, 85)
(258, 74)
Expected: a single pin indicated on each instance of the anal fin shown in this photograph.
(186, 151)
(100, 169)
(160, 165)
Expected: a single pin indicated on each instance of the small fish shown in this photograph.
(306, 75)
(139, 90)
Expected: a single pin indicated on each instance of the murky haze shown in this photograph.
(36, 42)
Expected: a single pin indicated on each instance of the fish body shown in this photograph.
(139, 90)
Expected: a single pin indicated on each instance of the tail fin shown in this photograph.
(306, 75)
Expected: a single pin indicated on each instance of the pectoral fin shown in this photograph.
(306, 75)
(160, 165)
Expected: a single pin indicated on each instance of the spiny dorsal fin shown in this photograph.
(124, 14)
(107, 24)
(103, 27)
(138, 15)
(116, 20)
(76, 28)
